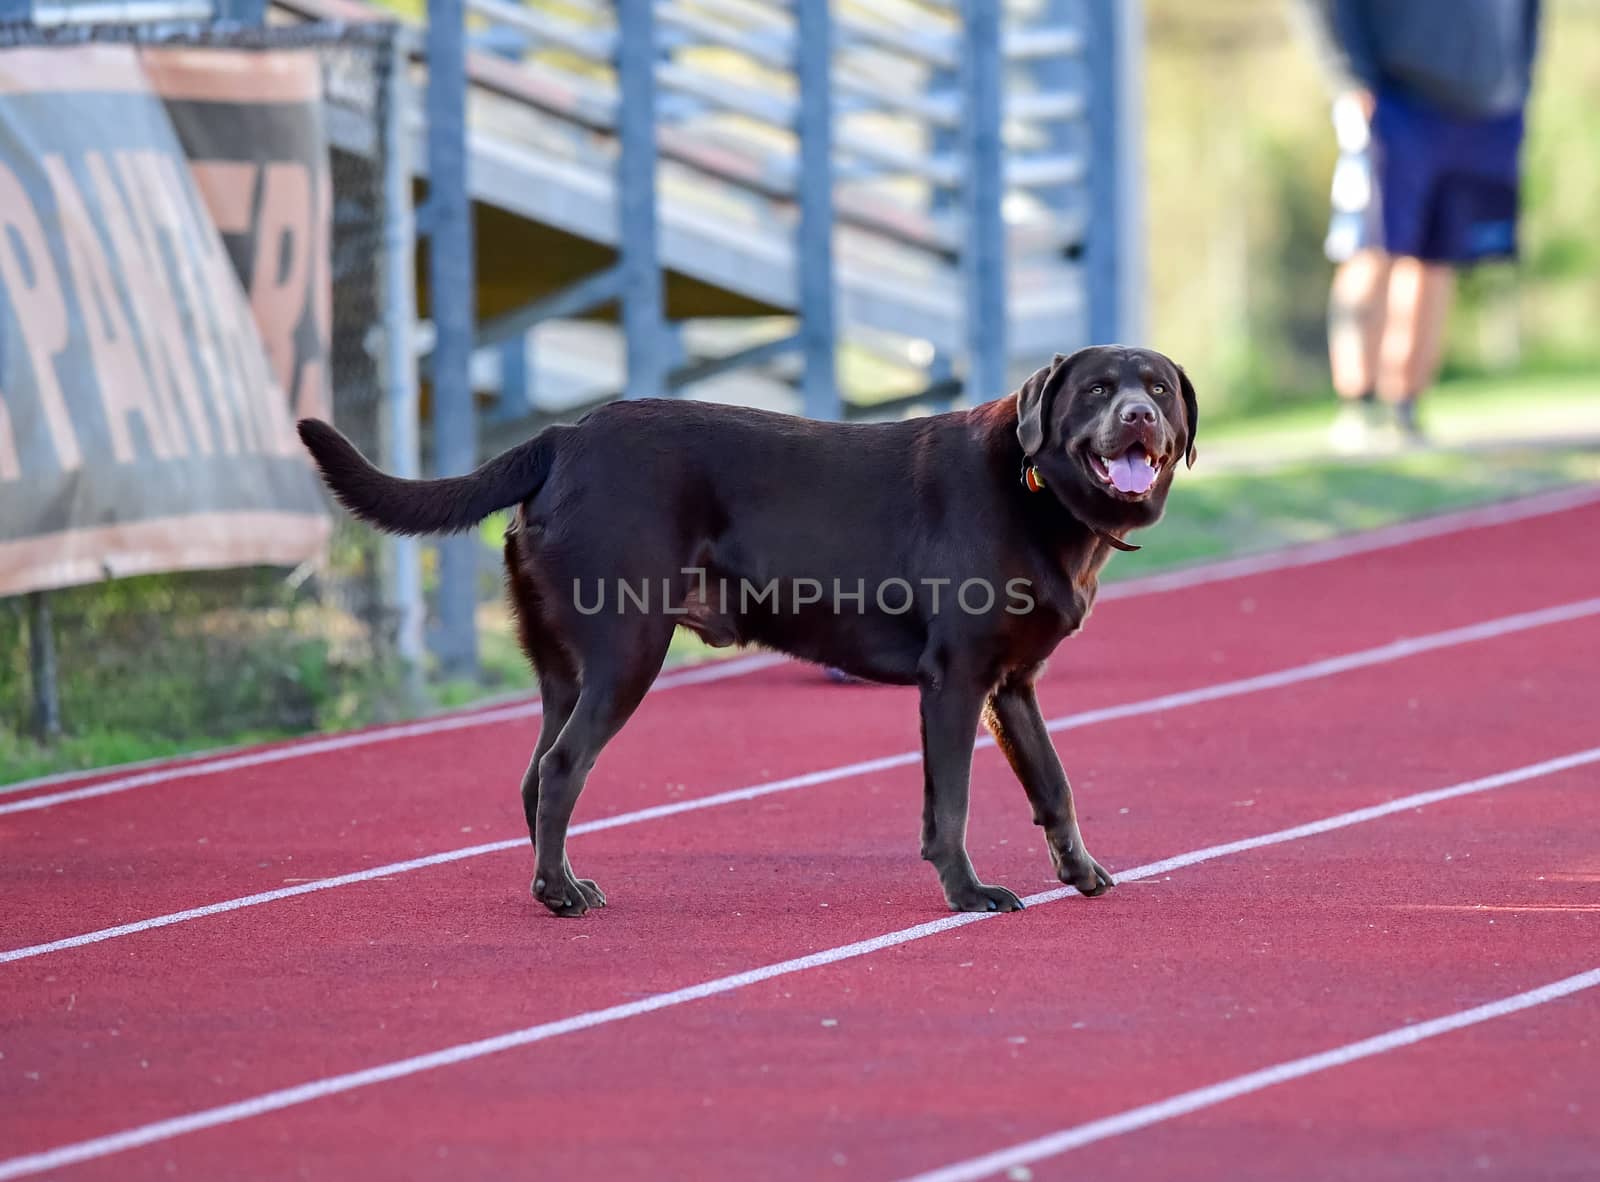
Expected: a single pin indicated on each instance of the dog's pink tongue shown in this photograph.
(1132, 471)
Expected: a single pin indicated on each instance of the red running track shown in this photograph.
(904, 1059)
(168, 846)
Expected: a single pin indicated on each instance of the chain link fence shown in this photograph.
(158, 662)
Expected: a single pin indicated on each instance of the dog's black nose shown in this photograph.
(1135, 413)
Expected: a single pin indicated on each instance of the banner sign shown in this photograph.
(165, 309)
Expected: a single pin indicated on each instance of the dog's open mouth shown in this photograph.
(1133, 473)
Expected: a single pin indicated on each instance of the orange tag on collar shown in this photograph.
(1030, 478)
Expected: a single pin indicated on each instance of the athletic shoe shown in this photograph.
(1356, 425)
(1406, 425)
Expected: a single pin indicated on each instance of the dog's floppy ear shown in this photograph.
(1033, 402)
(1191, 410)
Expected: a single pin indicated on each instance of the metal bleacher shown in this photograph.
(846, 208)
(907, 90)
(948, 185)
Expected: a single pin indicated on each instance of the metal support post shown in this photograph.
(984, 257)
(42, 664)
(642, 309)
(1114, 254)
(450, 274)
(814, 246)
(398, 424)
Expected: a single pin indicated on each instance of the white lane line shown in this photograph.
(1242, 1085)
(133, 765)
(260, 1105)
(1384, 538)
(1397, 650)
(696, 675)
(1364, 658)
(188, 759)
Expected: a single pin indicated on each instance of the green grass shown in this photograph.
(23, 759)
(1464, 412)
(1229, 513)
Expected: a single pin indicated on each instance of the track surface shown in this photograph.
(1191, 717)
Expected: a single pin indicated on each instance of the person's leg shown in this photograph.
(1355, 329)
(1355, 321)
(1413, 334)
(1355, 245)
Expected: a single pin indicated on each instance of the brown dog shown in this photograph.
(952, 552)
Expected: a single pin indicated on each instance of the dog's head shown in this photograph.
(1105, 428)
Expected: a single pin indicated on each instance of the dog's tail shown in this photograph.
(446, 506)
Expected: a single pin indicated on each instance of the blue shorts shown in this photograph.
(1443, 188)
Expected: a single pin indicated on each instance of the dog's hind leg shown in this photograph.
(558, 692)
(1013, 716)
(558, 684)
(616, 672)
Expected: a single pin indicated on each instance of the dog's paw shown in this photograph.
(979, 897)
(592, 893)
(565, 896)
(1084, 874)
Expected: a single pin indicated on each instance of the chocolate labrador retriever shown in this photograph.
(952, 553)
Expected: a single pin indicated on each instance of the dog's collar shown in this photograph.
(1033, 482)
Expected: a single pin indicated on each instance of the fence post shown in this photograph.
(642, 309)
(814, 244)
(450, 277)
(1114, 251)
(42, 667)
(398, 417)
(984, 257)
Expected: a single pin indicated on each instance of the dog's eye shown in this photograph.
(1097, 389)
(1158, 388)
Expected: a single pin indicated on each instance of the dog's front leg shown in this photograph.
(950, 710)
(1013, 715)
